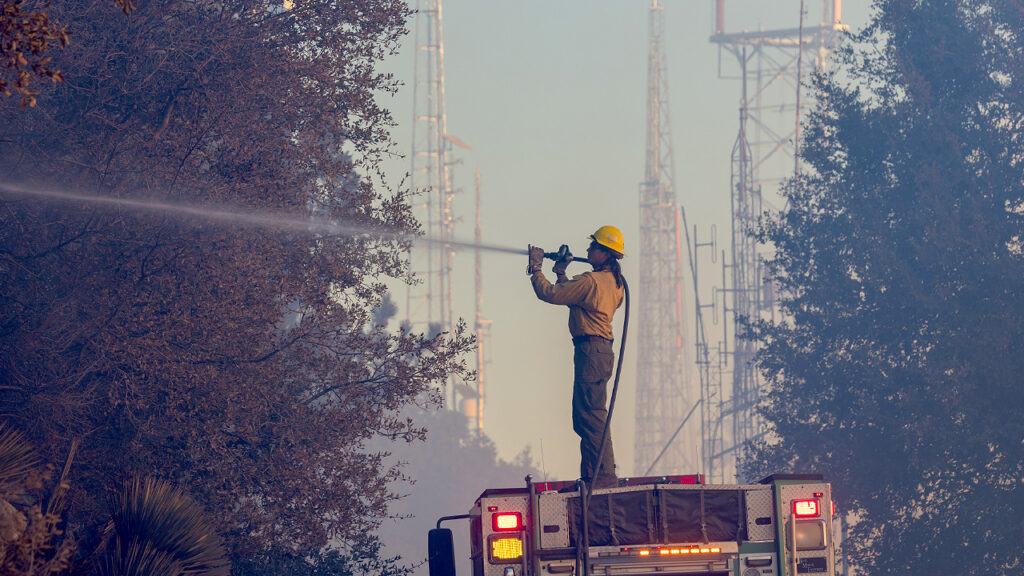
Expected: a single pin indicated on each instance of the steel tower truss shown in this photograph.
(663, 444)
(429, 303)
(751, 300)
(473, 407)
(710, 359)
(772, 65)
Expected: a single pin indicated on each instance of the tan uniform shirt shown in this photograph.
(592, 298)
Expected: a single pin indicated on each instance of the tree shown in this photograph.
(896, 368)
(25, 38)
(237, 362)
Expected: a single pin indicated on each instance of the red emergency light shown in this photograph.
(506, 521)
(805, 508)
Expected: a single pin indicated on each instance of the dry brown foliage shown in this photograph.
(33, 541)
(27, 33)
(238, 362)
(25, 37)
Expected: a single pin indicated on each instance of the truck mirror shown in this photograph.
(441, 552)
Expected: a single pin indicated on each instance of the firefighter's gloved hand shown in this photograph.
(536, 255)
(562, 263)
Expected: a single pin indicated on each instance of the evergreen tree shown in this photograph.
(896, 369)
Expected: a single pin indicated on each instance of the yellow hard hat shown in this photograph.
(611, 238)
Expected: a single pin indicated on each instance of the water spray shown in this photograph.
(277, 221)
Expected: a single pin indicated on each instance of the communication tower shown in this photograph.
(663, 397)
(429, 304)
(772, 65)
(474, 406)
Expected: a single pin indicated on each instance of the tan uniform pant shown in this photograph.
(593, 361)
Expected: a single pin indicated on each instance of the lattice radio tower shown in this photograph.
(429, 303)
(772, 65)
(473, 406)
(663, 444)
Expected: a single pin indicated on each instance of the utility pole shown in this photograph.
(664, 444)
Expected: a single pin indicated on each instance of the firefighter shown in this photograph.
(592, 298)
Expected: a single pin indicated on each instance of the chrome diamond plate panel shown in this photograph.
(553, 517)
(759, 506)
(811, 561)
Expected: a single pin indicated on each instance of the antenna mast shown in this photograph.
(663, 395)
(482, 328)
(771, 65)
(429, 304)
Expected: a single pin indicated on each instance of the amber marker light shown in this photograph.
(505, 549)
(682, 551)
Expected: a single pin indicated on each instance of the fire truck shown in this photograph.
(671, 525)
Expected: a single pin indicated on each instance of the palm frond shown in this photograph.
(138, 558)
(18, 460)
(152, 520)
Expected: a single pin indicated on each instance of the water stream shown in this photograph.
(246, 217)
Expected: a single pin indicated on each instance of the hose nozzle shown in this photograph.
(562, 252)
